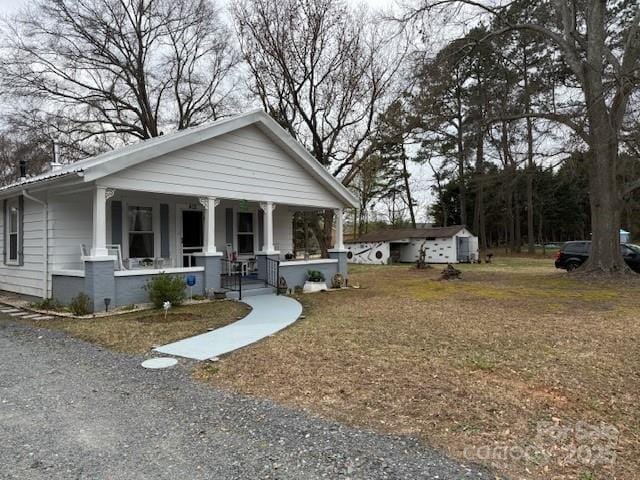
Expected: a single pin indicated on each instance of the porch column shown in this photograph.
(99, 240)
(210, 204)
(338, 251)
(268, 207)
(339, 243)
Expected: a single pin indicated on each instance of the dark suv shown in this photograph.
(574, 254)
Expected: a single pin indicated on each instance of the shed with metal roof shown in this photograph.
(452, 244)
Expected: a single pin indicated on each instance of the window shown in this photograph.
(13, 235)
(140, 232)
(245, 233)
(577, 247)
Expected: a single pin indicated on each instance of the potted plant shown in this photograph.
(315, 282)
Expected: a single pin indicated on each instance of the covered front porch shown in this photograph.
(129, 236)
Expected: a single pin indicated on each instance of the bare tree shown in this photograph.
(31, 147)
(599, 42)
(324, 71)
(367, 187)
(129, 67)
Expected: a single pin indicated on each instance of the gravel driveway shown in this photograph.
(70, 410)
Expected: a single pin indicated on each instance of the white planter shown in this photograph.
(311, 287)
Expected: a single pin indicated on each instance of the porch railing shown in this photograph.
(231, 279)
(188, 258)
(272, 276)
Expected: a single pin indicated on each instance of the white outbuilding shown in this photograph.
(454, 244)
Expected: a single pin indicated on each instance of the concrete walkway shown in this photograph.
(269, 314)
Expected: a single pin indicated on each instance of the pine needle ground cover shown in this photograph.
(518, 365)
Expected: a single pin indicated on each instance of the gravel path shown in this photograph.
(70, 410)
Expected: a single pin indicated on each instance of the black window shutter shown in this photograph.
(4, 231)
(164, 231)
(116, 222)
(21, 230)
(260, 229)
(229, 225)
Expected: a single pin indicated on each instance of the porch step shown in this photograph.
(251, 291)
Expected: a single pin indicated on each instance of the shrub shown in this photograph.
(47, 304)
(315, 276)
(166, 288)
(80, 304)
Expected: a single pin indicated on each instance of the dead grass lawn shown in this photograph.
(138, 332)
(469, 364)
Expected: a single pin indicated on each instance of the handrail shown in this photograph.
(232, 278)
(272, 276)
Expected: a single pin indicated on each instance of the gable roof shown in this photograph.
(94, 168)
(405, 233)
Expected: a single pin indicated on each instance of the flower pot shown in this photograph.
(311, 287)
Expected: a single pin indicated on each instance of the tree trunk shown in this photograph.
(530, 235)
(508, 184)
(517, 220)
(327, 238)
(479, 226)
(605, 211)
(354, 228)
(405, 175)
(461, 166)
(530, 164)
(604, 190)
(541, 238)
(510, 237)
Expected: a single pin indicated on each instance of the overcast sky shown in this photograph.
(9, 6)
(421, 176)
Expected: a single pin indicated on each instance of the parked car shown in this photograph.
(573, 254)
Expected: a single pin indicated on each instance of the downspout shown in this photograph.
(45, 242)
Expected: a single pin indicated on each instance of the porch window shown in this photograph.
(245, 233)
(13, 215)
(140, 232)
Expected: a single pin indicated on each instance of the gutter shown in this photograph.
(45, 242)
(10, 190)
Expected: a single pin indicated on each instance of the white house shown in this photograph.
(453, 244)
(187, 203)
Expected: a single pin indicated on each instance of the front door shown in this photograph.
(192, 236)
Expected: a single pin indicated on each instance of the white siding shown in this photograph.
(244, 164)
(368, 253)
(27, 278)
(440, 250)
(473, 243)
(283, 230)
(282, 226)
(137, 199)
(70, 226)
(221, 234)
